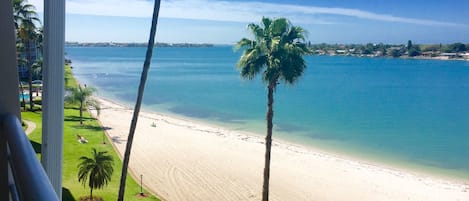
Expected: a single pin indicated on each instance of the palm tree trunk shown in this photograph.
(81, 113)
(141, 88)
(30, 74)
(22, 96)
(268, 140)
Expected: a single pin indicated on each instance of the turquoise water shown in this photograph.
(25, 96)
(413, 113)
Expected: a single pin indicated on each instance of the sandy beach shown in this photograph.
(183, 160)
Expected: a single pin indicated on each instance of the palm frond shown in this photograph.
(244, 43)
(256, 31)
(94, 104)
(279, 26)
(251, 63)
(266, 22)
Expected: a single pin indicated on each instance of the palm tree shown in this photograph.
(82, 96)
(25, 19)
(27, 35)
(141, 88)
(97, 170)
(37, 65)
(277, 53)
(21, 62)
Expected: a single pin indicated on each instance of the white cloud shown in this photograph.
(230, 11)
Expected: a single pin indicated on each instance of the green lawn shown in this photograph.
(70, 81)
(73, 150)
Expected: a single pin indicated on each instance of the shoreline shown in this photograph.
(297, 165)
(390, 162)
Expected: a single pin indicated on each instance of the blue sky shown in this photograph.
(224, 22)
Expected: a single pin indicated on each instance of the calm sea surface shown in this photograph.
(409, 113)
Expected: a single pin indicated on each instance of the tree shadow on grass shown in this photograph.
(71, 106)
(92, 127)
(77, 118)
(36, 146)
(67, 195)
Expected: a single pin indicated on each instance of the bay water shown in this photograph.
(407, 113)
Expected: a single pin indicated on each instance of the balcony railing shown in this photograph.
(27, 179)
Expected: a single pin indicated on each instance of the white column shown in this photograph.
(53, 92)
(8, 68)
(9, 103)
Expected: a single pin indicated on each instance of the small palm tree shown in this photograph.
(97, 170)
(277, 53)
(82, 96)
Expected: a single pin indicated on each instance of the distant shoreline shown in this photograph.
(441, 58)
(432, 56)
(112, 44)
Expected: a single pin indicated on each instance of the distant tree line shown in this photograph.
(381, 49)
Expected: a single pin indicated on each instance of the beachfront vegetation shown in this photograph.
(276, 52)
(92, 131)
(82, 96)
(73, 150)
(70, 81)
(141, 88)
(97, 170)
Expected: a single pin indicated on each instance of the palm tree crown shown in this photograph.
(277, 50)
(97, 170)
(22, 11)
(82, 96)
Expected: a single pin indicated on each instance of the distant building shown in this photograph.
(394, 48)
(429, 54)
(449, 55)
(331, 52)
(34, 54)
(465, 55)
(320, 52)
(341, 52)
